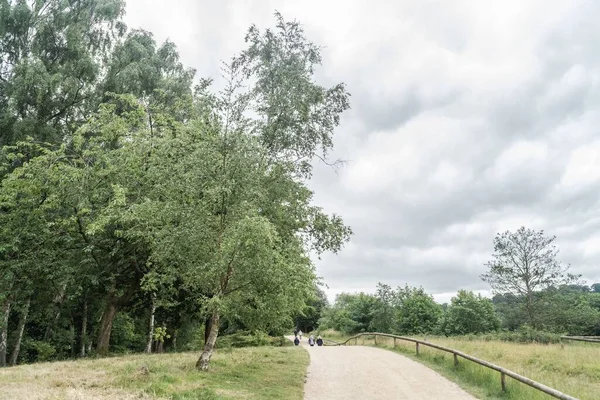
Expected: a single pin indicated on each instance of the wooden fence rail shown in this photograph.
(589, 339)
(503, 371)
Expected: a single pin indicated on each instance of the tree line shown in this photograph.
(532, 291)
(140, 208)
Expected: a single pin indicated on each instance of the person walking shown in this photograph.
(300, 333)
(296, 341)
(319, 341)
(311, 340)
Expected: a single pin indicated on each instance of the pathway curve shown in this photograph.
(369, 373)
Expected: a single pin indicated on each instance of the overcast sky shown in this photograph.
(468, 118)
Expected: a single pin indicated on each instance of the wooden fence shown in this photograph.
(503, 371)
(590, 339)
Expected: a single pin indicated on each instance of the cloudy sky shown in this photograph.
(468, 118)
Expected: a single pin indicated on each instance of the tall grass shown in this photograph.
(259, 373)
(573, 368)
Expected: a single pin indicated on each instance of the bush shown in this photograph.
(36, 351)
(248, 339)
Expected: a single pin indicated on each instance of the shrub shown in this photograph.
(36, 351)
(248, 339)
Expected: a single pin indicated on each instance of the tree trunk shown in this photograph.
(106, 324)
(4, 331)
(204, 359)
(207, 326)
(14, 355)
(83, 329)
(175, 340)
(530, 310)
(50, 327)
(60, 298)
(151, 329)
(73, 339)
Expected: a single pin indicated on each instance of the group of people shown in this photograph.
(311, 339)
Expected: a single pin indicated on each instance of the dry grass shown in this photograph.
(573, 368)
(250, 373)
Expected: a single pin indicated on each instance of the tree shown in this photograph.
(417, 312)
(510, 310)
(308, 319)
(568, 310)
(351, 313)
(383, 315)
(294, 124)
(161, 199)
(525, 262)
(470, 313)
(49, 64)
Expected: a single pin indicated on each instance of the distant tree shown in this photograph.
(525, 262)
(417, 312)
(470, 313)
(567, 310)
(383, 315)
(595, 288)
(509, 308)
(308, 319)
(351, 313)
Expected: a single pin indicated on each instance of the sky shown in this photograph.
(468, 118)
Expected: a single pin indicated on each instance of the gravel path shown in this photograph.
(368, 373)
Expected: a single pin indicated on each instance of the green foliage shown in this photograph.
(568, 309)
(351, 313)
(384, 313)
(49, 64)
(37, 351)
(124, 336)
(569, 312)
(402, 311)
(417, 312)
(308, 319)
(123, 190)
(247, 339)
(470, 314)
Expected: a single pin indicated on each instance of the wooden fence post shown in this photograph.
(355, 341)
(503, 381)
(363, 338)
(394, 342)
(455, 360)
(375, 336)
(417, 343)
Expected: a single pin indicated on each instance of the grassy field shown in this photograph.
(573, 368)
(248, 373)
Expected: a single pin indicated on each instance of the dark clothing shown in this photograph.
(296, 341)
(319, 342)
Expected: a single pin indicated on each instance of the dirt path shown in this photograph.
(368, 373)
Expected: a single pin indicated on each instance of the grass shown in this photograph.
(573, 368)
(246, 373)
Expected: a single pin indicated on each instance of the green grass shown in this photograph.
(247, 373)
(573, 368)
